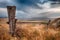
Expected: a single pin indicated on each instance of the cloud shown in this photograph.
(30, 8)
(45, 5)
(32, 12)
(27, 2)
(4, 3)
(21, 14)
(3, 12)
(54, 0)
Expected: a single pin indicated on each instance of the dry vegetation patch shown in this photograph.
(30, 32)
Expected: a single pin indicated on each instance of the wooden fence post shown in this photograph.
(11, 16)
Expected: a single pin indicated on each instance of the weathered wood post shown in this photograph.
(48, 25)
(11, 16)
(48, 22)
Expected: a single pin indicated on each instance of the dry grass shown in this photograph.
(39, 32)
(4, 35)
(30, 32)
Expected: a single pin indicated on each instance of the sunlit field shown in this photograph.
(29, 31)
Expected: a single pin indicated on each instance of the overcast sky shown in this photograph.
(31, 9)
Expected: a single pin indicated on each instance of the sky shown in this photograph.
(32, 9)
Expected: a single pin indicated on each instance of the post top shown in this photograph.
(11, 7)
